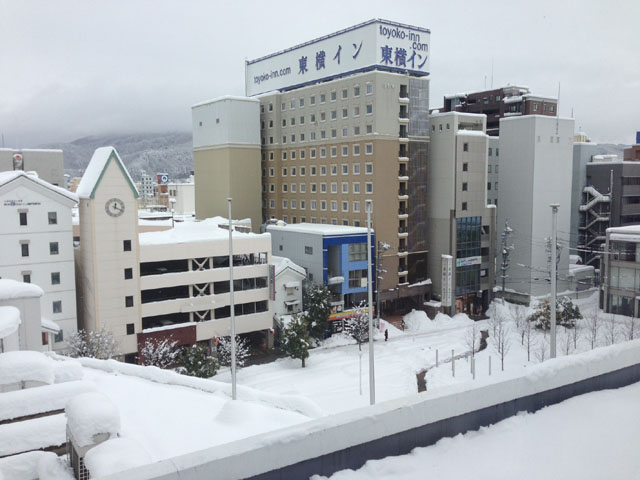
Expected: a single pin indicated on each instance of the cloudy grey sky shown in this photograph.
(75, 68)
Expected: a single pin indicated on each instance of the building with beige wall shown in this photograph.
(48, 164)
(461, 224)
(226, 157)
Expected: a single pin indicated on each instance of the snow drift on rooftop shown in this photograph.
(115, 455)
(12, 289)
(90, 414)
(25, 366)
(9, 321)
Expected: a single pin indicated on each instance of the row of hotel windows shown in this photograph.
(52, 218)
(333, 96)
(313, 187)
(313, 170)
(333, 115)
(323, 134)
(323, 221)
(313, 205)
(54, 248)
(368, 150)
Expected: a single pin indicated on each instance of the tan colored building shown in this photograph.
(226, 157)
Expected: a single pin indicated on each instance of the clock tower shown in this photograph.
(107, 260)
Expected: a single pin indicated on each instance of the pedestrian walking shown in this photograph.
(386, 334)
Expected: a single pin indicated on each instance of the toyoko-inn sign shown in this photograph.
(376, 43)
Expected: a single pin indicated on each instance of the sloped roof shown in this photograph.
(7, 177)
(95, 170)
(282, 263)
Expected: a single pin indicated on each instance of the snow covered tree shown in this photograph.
(317, 305)
(610, 330)
(100, 344)
(566, 314)
(159, 353)
(296, 338)
(224, 351)
(631, 328)
(472, 339)
(543, 348)
(570, 313)
(501, 340)
(519, 314)
(358, 325)
(196, 363)
(593, 322)
(529, 338)
(567, 340)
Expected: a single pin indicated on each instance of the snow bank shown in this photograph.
(67, 371)
(295, 403)
(12, 289)
(25, 366)
(54, 468)
(49, 398)
(114, 456)
(418, 321)
(23, 466)
(32, 434)
(9, 321)
(92, 414)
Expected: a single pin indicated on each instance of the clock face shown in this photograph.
(114, 207)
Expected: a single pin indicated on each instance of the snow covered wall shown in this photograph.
(329, 444)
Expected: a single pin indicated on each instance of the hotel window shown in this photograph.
(334, 169)
(345, 206)
(323, 116)
(284, 106)
(53, 248)
(312, 118)
(356, 187)
(313, 153)
(312, 100)
(293, 155)
(292, 122)
(535, 107)
(55, 278)
(356, 130)
(126, 245)
(356, 207)
(345, 151)
(334, 151)
(464, 186)
(284, 122)
(294, 188)
(272, 203)
(334, 133)
(270, 123)
(284, 171)
(356, 150)
(284, 139)
(345, 169)
(323, 170)
(323, 187)
(368, 187)
(313, 205)
(57, 306)
(314, 188)
(465, 167)
(285, 188)
(285, 204)
(301, 102)
(303, 171)
(313, 170)
(345, 131)
(23, 218)
(294, 204)
(369, 108)
(345, 93)
(464, 205)
(356, 169)
(369, 128)
(368, 149)
(272, 172)
(334, 206)
(270, 140)
(334, 114)
(271, 107)
(345, 113)
(302, 120)
(303, 188)
(293, 103)
(323, 98)
(368, 168)
(334, 187)
(293, 138)
(333, 96)
(369, 88)
(356, 91)
(345, 187)
(323, 205)
(323, 152)
(303, 206)
(323, 134)
(272, 187)
(465, 147)
(356, 111)
(302, 154)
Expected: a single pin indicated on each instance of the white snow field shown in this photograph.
(589, 437)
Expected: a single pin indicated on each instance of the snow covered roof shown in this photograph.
(96, 168)
(91, 414)
(115, 455)
(12, 289)
(186, 232)
(6, 177)
(282, 263)
(9, 321)
(48, 324)
(630, 233)
(318, 229)
(472, 133)
(25, 366)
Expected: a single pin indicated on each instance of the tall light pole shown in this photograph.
(172, 202)
(554, 246)
(372, 378)
(232, 307)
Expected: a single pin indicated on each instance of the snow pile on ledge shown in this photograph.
(67, 371)
(32, 434)
(418, 321)
(49, 398)
(23, 366)
(92, 414)
(9, 320)
(114, 456)
(12, 289)
(23, 466)
(294, 403)
(52, 467)
(204, 231)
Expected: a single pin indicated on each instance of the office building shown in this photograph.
(535, 171)
(632, 154)
(621, 280)
(461, 224)
(36, 241)
(500, 103)
(493, 170)
(48, 164)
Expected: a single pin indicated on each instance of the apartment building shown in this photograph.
(461, 224)
(504, 102)
(36, 242)
(493, 170)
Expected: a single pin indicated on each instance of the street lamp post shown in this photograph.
(232, 307)
(172, 201)
(554, 246)
(372, 381)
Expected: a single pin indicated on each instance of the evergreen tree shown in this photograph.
(317, 305)
(196, 363)
(566, 314)
(296, 339)
(224, 351)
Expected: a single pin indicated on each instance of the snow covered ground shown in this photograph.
(592, 436)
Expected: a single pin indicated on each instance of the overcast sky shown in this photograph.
(75, 68)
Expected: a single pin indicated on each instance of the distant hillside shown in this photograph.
(169, 152)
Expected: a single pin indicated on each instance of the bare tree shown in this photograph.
(472, 339)
(493, 321)
(520, 317)
(631, 328)
(529, 338)
(610, 330)
(567, 341)
(593, 322)
(501, 339)
(543, 348)
(576, 332)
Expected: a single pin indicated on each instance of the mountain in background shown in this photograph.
(170, 152)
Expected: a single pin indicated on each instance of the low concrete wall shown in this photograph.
(347, 440)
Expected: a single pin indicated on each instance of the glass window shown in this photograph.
(357, 252)
(312, 100)
(345, 93)
(369, 88)
(334, 151)
(356, 91)
(368, 187)
(358, 278)
(334, 187)
(356, 149)
(345, 151)
(345, 206)
(356, 169)
(368, 149)
(25, 249)
(53, 218)
(369, 128)
(333, 96)
(369, 108)
(356, 111)
(323, 98)
(356, 187)
(55, 278)
(345, 169)
(356, 207)
(334, 206)
(345, 187)
(345, 112)
(53, 248)
(57, 306)
(368, 168)
(23, 218)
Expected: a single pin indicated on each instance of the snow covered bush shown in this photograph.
(101, 344)
(296, 339)
(195, 362)
(224, 351)
(566, 314)
(317, 305)
(358, 325)
(159, 353)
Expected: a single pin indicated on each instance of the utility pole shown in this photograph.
(372, 380)
(554, 274)
(232, 307)
(505, 255)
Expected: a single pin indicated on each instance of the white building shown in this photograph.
(536, 158)
(289, 278)
(36, 242)
(182, 197)
(147, 185)
(48, 163)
